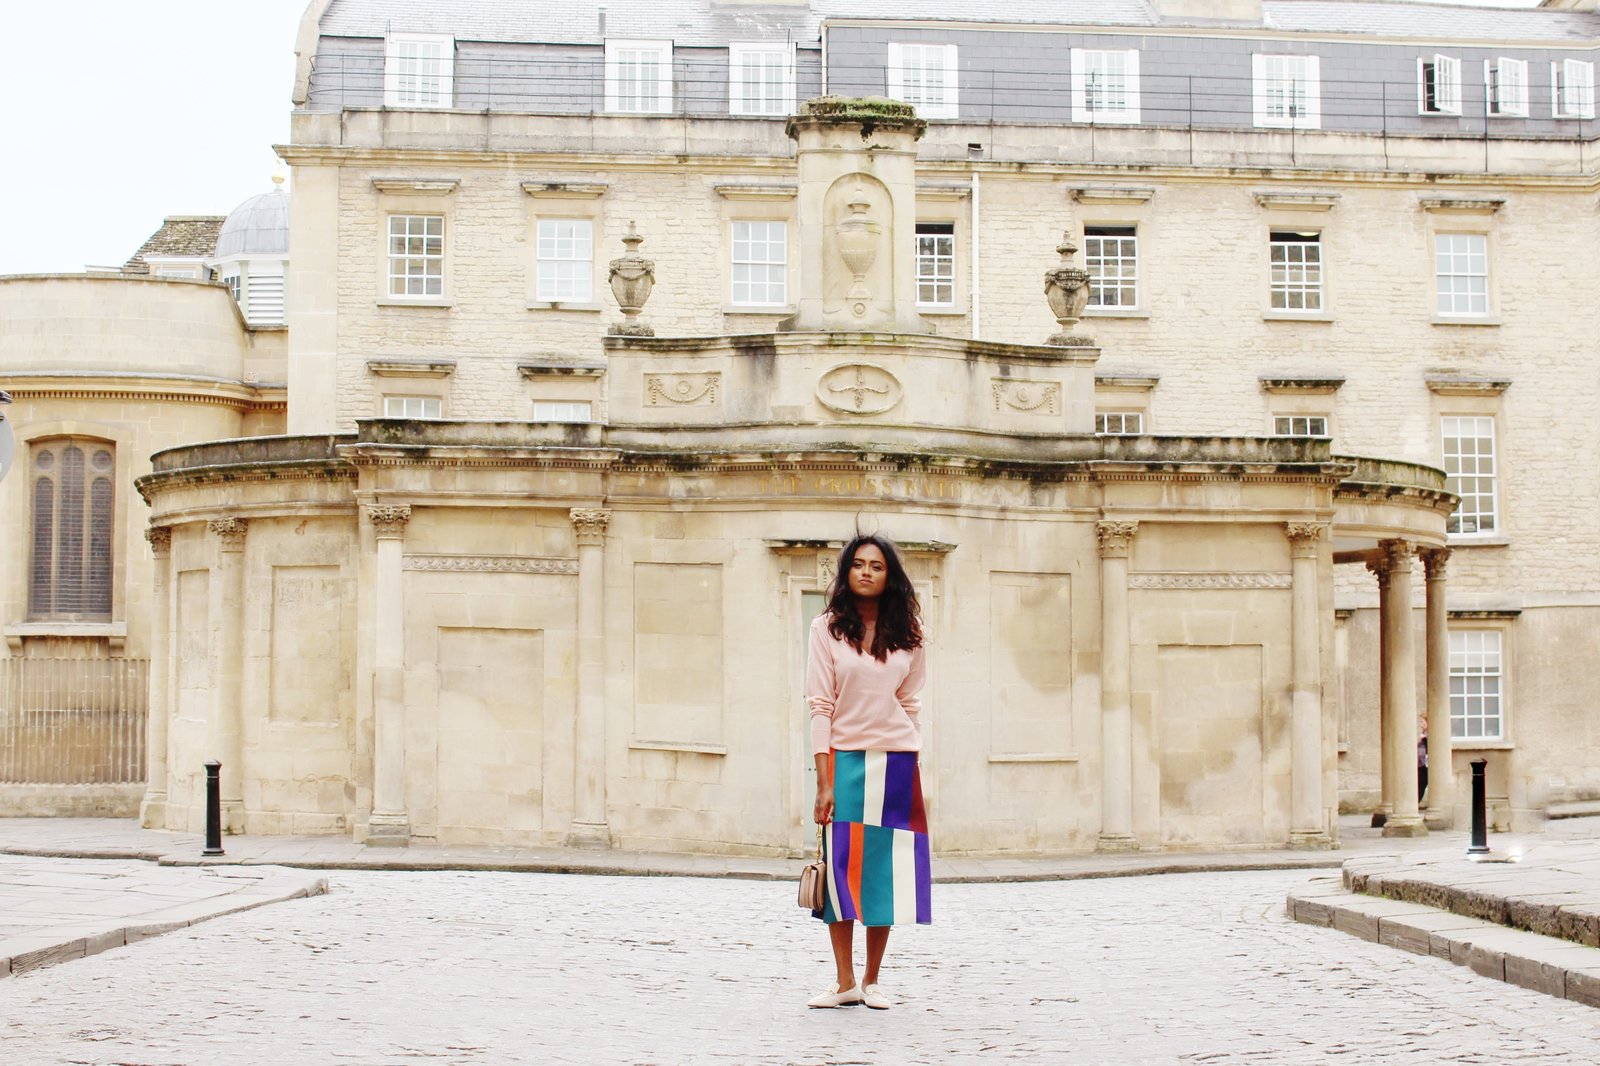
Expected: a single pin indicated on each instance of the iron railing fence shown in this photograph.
(570, 85)
(73, 721)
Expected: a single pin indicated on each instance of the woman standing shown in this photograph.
(863, 683)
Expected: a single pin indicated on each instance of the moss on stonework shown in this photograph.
(872, 112)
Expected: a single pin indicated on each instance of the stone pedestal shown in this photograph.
(857, 160)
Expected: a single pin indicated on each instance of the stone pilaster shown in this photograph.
(589, 826)
(1305, 765)
(1379, 566)
(226, 727)
(1401, 683)
(153, 808)
(389, 824)
(1441, 775)
(1116, 709)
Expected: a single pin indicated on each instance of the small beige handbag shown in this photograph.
(813, 890)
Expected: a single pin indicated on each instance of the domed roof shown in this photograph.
(259, 226)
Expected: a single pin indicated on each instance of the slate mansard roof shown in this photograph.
(692, 23)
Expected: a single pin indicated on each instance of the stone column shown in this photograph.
(1441, 773)
(388, 825)
(227, 623)
(153, 808)
(589, 828)
(1401, 682)
(1116, 707)
(1380, 570)
(1305, 762)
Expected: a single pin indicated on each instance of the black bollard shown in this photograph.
(1480, 817)
(213, 808)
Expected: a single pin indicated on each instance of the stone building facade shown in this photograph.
(1313, 229)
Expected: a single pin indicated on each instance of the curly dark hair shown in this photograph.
(899, 628)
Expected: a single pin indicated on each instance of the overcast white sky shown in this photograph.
(117, 113)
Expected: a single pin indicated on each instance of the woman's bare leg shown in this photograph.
(842, 936)
(877, 941)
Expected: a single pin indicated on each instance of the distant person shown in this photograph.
(863, 682)
(1422, 756)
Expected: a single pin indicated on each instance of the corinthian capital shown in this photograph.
(1434, 561)
(230, 531)
(590, 526)
(160, 538)
(389, 520)
(1116, 538)
(1303, 537)
(1400, 553)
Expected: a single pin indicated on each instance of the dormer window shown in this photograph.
(419, 70)
(1439, 85)
(639, 77)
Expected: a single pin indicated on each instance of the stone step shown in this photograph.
(1544, 964)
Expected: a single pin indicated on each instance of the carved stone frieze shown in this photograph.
(491, 564)
(389, 520)
(1209, 581)
(686, 390)
(230, 531)
(1033, 397)
(590, 526)
(858, 389)
(1116, 538)
(160, 538)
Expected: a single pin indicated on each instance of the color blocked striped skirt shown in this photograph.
(876, 848)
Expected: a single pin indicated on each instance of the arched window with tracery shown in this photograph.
(74, 493)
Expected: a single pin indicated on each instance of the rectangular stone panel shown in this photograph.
(1030, 664)
(310, 673)
(491, 729)
(1209, 728)
(678, 665)
(191, 645)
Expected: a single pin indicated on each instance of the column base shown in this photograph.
(1440, 819)
(1112, 843)
(153, 811)
(1405, 825)
(589, 835)
(388, 831)
(1315, 840)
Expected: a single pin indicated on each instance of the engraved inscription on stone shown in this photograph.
(858, 389)
(1032, 397)
(685, 390)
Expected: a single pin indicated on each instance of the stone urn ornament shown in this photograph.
(632, 279)
(1066, 286)
(859, 237)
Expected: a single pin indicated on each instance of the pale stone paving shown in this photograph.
(511, 968)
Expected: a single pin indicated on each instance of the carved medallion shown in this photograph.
(686, 390)
(858, 389)
(1033, 397)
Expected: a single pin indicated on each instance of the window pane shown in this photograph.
(1296, 271)
(565, 260)
(1469, 466)
(760, 263)
(416, 255)
(936, 263)
(1111, 255)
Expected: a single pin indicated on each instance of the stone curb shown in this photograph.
(20, 954)
(1541, 963)
(1553, 903)
(656, 865)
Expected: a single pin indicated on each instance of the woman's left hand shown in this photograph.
(823, 813)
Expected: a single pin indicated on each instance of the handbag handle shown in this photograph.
(819, 840)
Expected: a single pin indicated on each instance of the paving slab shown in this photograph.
(62, 909)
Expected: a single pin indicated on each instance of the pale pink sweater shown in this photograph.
(859, 703)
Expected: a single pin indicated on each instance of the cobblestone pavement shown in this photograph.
(535, 968)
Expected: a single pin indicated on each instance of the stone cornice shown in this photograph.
(416, 186)
(561, 369)
(148, 388)
(1301, 383)
(411, 368)
(559, 189)
(753, 191)
(1290, 199)
(1465, 385)
(1112, 194)
(1484, 205)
